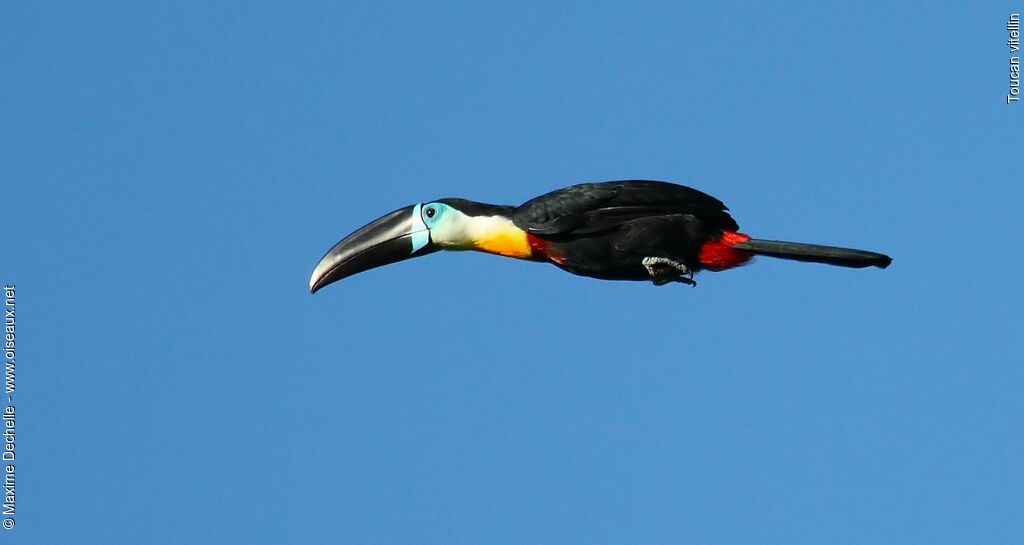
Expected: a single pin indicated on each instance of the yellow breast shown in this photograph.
(509, 244)
(500, 236)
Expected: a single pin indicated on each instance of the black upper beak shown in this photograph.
(394, 237)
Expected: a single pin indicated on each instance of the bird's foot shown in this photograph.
(664, 270)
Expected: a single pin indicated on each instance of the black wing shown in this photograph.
(596, 207)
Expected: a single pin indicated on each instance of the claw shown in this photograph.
(664, 270)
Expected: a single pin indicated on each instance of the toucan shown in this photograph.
(622, 230)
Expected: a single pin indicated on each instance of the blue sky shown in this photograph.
(173, 172)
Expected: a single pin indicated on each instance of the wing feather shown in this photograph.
(597, 207)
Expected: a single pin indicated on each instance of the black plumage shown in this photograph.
(595, 207)
(605, 230)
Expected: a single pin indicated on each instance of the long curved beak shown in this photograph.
(395, 237)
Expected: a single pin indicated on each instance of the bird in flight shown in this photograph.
(624, 230)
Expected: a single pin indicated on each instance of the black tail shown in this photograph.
(797, 251)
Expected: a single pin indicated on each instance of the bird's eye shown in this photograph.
(430, 212)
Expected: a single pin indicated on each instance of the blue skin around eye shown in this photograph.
(438, 212)
(422, 237)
